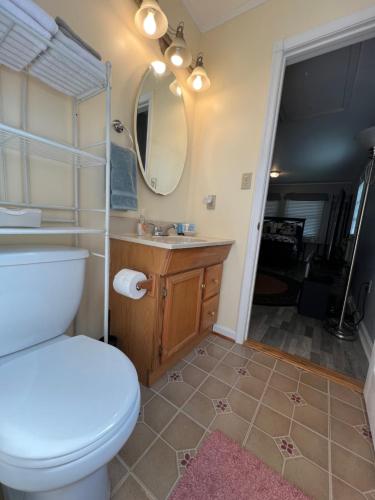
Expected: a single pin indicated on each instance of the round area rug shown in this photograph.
(275, 290)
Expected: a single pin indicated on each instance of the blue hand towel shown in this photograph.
(123, 178)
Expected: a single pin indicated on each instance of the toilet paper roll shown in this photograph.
(125, 283)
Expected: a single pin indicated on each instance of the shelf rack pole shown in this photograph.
(24, 147)
(107, 199)
(52, 207)
(3, 167)
(24, 135)
(76, 188)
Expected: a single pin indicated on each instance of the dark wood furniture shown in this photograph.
(281, 249)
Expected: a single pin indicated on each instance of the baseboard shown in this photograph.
(305, 364)
(365, 339)
(363, 333)
(225, 331)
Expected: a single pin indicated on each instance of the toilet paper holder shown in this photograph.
(148, 284)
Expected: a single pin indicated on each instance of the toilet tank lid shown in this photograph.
(12, 255)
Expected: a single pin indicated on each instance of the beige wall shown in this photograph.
(108, 26)
(230, 120)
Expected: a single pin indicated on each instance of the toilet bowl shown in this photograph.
(68, 404)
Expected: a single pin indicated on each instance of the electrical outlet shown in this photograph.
(246, 180)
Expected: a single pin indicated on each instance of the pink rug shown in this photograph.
(222, 470)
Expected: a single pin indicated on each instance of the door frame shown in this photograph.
(344, 31)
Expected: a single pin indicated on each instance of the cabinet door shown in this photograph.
(182, 310)
(212, 281)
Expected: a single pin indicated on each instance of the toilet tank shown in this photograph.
(40, 292)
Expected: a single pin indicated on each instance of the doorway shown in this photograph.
(344, 33)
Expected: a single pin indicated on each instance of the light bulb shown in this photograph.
(176, 60)
(198, 80)
(197, 83)
(175, 88)
(150, 20)
(159, 67)
(274, 174)
(149, 24)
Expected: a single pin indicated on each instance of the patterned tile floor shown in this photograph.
(314, 432)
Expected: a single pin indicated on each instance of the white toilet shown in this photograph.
(67, 404)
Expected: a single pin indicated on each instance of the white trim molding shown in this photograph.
(225, 331)
(368, 393)
(363, 334)
(365, 339)
(334, 35)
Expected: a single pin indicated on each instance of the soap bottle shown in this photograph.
(141, 226)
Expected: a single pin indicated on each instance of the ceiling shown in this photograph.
(325, 102)
(208, 14)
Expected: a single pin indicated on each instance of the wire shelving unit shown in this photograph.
(62, 69)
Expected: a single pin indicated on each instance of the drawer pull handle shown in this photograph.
(203, 285)
(212, 313)
(216, 281)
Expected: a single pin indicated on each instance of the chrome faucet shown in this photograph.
(159, 230)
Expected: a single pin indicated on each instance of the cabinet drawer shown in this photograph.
(209, 313)
(212, 281)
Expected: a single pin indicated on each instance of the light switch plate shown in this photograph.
(210, 201)
(246, 180)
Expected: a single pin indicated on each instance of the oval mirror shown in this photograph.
(161, 133)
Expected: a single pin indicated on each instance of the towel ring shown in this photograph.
(119, 127)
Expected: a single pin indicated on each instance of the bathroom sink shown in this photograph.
(172, 242)
(179, 239)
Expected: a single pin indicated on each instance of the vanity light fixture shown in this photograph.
(178, 53)
(175, 88)
(151, 20)
(198, 80)
(159, 67)
(274, 174)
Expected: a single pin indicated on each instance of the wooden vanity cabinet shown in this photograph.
(180, 310)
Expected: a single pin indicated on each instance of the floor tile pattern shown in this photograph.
(285, 329)
(314, 432)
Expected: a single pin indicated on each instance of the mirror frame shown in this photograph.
(139, 159)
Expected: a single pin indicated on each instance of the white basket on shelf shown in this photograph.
(25, 217)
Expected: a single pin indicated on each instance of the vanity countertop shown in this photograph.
(172, 242)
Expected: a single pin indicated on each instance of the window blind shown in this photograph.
(272, 208)
(311, 210)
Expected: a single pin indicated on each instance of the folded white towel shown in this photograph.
(65, 65)
(11, 63)
(18, 49)
(12, 9)
(74, 72)
(18, 46)
(38, 14)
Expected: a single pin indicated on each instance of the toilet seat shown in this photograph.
(62, 401)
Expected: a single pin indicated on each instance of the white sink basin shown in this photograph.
(178, 239)
(172, 242)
